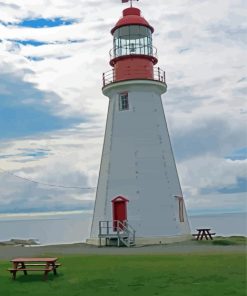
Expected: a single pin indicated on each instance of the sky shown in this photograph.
(53, 113)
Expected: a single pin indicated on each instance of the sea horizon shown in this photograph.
(74, 226)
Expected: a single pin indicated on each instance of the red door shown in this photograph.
(119, 212)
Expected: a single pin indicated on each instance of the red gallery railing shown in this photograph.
(109, 76)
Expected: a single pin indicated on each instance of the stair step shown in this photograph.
(124, 237)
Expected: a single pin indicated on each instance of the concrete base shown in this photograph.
(148, 240)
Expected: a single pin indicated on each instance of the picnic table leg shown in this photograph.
(13, 274)
(202, 234)
(45, 275)
(23, 266)
(54, 269)
(198, 235)
(210, 236)
(15, 265)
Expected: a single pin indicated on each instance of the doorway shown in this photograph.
(119, 212)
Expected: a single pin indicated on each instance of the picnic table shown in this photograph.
(204, 233)
(34, 264)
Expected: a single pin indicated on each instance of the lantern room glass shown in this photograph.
(133, 39)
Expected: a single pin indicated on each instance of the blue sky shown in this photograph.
(44, 22)
(52, 111)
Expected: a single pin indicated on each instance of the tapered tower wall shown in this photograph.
(137, 162)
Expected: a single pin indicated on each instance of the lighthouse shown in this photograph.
(139, 198)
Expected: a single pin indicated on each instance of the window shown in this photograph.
(180, 208)
(123, 101)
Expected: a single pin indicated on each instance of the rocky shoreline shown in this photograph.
(20, 242)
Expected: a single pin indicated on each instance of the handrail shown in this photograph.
(130, 230)
(108, 225)
(120, 228)
(131, 234)
(110, 77)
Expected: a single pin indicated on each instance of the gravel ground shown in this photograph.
(9, 252)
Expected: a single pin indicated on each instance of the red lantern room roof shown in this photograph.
(132, 16)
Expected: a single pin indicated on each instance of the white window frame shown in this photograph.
(123, 101)
(180, 200)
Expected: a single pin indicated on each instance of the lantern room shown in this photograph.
(132, 39)
(132, 35)
(133, 55)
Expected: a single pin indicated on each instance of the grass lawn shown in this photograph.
(199, 275)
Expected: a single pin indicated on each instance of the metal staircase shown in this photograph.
(116, 233)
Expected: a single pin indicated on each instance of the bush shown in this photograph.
(223, 242)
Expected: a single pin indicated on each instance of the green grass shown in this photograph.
(170, 275)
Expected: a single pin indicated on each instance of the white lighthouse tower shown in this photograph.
(139, 196)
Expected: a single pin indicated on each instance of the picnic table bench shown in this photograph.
(34, 264)
(204, 233)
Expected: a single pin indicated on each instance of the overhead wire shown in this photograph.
(46, 184)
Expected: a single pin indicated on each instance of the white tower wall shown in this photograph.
(138, 163)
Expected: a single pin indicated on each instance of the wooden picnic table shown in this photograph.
(34, 264)
(204, 233)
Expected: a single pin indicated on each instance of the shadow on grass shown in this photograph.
(37, 278)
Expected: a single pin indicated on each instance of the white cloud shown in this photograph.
(71, 160)
(200, 45)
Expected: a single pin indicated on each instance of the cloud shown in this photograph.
(239, 187)
(23, 108)
(217, 203)
(210, 182)
(27, 154)
(69, 158)
(53, 70)
(9, 5)
(239, 154)
(205, 135)
(34, 198)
